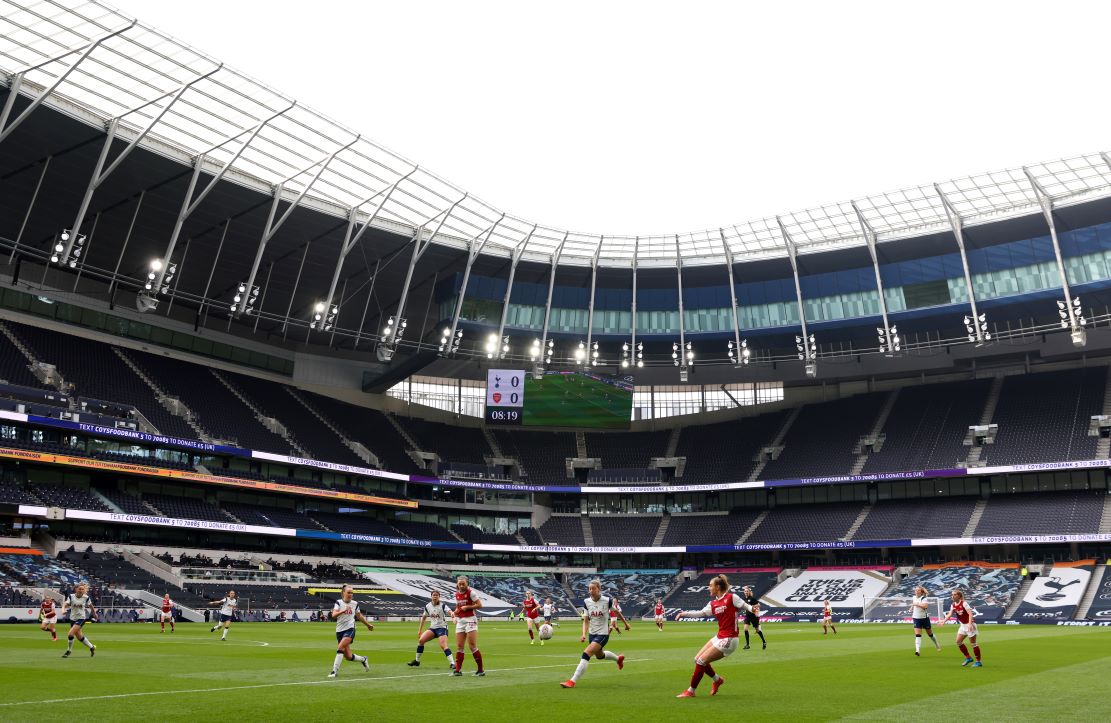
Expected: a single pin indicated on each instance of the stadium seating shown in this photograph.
(473, 534)
(1050, 513)
(563, 530)
(367, 426)
(626, 449)
(270, 516)
(69, 498)
(542, 455)
(13, 495)
(187, 508)
(531, 536)
(625, 475)
(694, 594)
(511, 589)
(821, 440)
(624, 531)
(635, 592)
(902, 519)
(129, 503)
(990, 588)
(708, 529)
(354, 524)
(424, 531)
(725, 451)
(14, 367)
(453, 444)
(268, 597)
(38, 571)
(791, 523)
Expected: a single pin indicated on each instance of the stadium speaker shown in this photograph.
(384, 353)
(145, 303)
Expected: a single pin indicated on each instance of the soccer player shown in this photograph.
(466, 625)
(167, 612)
(228, 605)
(724, 607)
(48, 616)
(827, 619)
(549, 609)
(345, 612)
(920, 616)
(437, 613)
(752, 617)
(81, 610)
(964, 614)
(660, 614)
(595, 627)
(530, 608)
(615, 615)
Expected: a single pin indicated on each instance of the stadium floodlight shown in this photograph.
(323, 316)
(534, 350)
(971, 325)
(745, 354)
(889, 343)
(640, 355)
(675, 353)
(59, 247)
(156, 265)
(244, 300)
(1072, 316)
(497, 348)
(449, 345)
(580, 353)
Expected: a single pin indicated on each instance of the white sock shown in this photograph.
(69, 645)
(611, 656)
(579, 671)
(225, 635)
(419, 653)
(360, 658)
(936, 644)
(335, 665)
(87, 643)
(917, 643)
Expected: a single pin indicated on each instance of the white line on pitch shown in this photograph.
(269, 685)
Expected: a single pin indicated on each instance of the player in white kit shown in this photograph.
(345, 612)
(228, 606)
(81, 610)
(549, 610)
(920, 616)
(596, 623)
(437, 613)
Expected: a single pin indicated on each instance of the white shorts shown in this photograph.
(659, 618)
(725, 645)
(166, 616)
(968, 630)
(466, 625)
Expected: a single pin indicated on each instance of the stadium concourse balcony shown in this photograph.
(186, 508)
(215, 408)
(636, 592)
(236, 472)
(724, 451)
(369, 427)
(149, 461)
(925, 518)
(96, 371)
(708, 529)
(927, 426)
(1050, 513)
(633, 475)
(467, 470)
(542, 455)
(273, 400)
(793, 523)
(626, 449)
(1044, 417)
(424, 531)
(821, 440)
(563, 530)
(473, 534)
(637, 531)
(453, 444)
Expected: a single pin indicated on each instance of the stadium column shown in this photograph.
(589, 359)
(548, 304)
(272, 226)
(732, 294)
(16, 82)
(870, 240)
(518, 251)
(682, 321)
(633, 307)
(792, 254)
(957, 225)
(100, 173)
(474, 248)
(188, 204)
(1046, 203)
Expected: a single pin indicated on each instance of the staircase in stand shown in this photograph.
(776, 442)
(1012, 606)
(974, 452)
(974, 518)
(1103, 446)
(45, 373)
(1094, 587)
(673, 442)
(874, 433)
(588, 531)
(752, 528)
(1105, 518)
(493, 443)
(173, 405)
(272, 424)
(661, 531)
(403, 432)
(858, 522)
(580, 445)
(358, 448)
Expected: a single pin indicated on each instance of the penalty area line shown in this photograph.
(326, 681)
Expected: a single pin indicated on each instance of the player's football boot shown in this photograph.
(366, 664)
(456, 673)
(92, 651)
(967, 661)
(977, 664)
(567, 684)
(620, 662)
(415, 664)
(686, 694)
(765, 646)
(746, 647)
(333, 674)
(480, 673)
(65, 654)
(717, 685)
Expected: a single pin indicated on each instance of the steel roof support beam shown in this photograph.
(588, 358)
(1046, 202)
(518, 250)
(474, 248)
(272, 227)
(114, 283)
(296, 285)
(208, 284)
(366, 307)
(30, 207)
(732, 294)
(682, 322)
(792, 254)
(870, 240)
(17, 81)
(548, 304)
(957, 225)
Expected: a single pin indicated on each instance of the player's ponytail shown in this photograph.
(721, 582)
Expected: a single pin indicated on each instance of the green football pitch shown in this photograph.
(574, 400)
(274, 671)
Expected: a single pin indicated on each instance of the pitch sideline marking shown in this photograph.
(326, 681)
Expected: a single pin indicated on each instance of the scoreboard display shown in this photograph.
(505, 396)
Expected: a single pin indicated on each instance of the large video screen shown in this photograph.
(587, 400)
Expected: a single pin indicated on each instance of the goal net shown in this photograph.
(897, 609)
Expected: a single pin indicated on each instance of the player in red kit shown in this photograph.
(530, 608)
(466, 624)
(964, 613)
(660, 614)
(725, 606)
(167, 612)
(48, 617)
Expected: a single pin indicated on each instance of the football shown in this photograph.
(545, 632)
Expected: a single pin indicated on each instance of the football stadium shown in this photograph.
(264, 382)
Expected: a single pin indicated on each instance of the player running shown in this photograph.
(48, 616)
(660, 614)
(167, 612)
(827, 619)
(81, 610)
(615, 615)
(964, 614)
(466, 625)
(531, 610)
(549, 610)
(437, 614)
(920, 616)
(228, 606)
(752, 617)
(724, 607)
(345, 612)
(596, 627)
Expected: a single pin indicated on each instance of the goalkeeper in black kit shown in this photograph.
(753, 617)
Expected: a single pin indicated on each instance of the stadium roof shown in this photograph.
(109, 66)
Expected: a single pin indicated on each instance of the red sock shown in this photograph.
(976, 651)
(530, 635)
(171, 626)
(710, 670)
(478, 660)
(964, 650)
(459, 660)
(696, 678)
(163, 627)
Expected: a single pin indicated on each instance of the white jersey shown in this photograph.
(438, 615)
(79, 607)
(598, 613)
(548, 610)
(346, 619)
(918, 613)
(229, 605)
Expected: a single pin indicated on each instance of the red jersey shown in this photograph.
(962, 613)
(532, 608)
(660, 609)
(613, 614)
(47, 608)
(465, 598)
(167, 605)
(827, 612)
(725, 610)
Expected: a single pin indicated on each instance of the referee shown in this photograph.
(752, 617)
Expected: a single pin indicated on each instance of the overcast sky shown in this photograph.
(650, 117)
